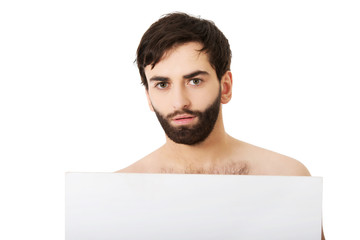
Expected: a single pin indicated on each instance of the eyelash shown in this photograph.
(193, 79)
(158, 84)
(197, 79)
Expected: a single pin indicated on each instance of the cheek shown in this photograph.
(156, 102)
(207, 96)
(202, 100)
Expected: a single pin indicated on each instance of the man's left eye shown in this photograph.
(195, 81)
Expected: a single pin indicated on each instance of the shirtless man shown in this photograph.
(184, 64)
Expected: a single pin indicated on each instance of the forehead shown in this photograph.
(180, 60)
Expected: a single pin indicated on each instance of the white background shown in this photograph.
(71, 99)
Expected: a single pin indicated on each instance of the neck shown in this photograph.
(207, 153)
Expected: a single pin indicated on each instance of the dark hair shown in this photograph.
(178, 28)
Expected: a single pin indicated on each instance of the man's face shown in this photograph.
(185, 94)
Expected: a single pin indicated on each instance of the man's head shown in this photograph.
(175, 29)
(186, 75)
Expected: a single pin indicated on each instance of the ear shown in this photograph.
(149, 101)
(226, 87)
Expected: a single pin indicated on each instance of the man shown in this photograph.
(184, 64)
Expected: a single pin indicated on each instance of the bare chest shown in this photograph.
(234, 168)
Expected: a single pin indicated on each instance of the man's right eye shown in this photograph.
(162, 85)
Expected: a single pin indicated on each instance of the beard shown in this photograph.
(191, 135)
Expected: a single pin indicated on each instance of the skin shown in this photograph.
(219, 153)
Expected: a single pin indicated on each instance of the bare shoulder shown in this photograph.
(287, 166)
(144, 165)
(128, 169)
(266, 162)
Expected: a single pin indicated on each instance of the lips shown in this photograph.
(183, 116)
(183, 119)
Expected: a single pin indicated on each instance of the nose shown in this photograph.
(180, 99)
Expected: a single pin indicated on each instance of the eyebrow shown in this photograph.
(194, 74)
(187, 76)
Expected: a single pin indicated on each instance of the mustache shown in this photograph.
(183, 111)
